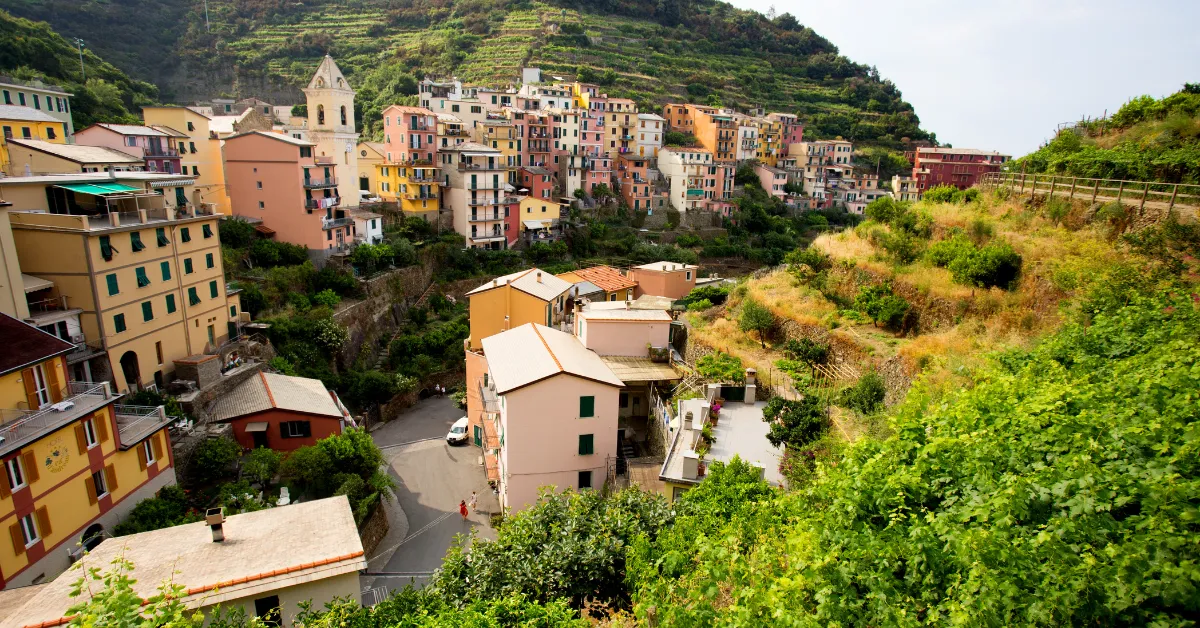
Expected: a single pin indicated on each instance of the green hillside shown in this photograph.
(672, 50)
(31, 50)
(1147, 139)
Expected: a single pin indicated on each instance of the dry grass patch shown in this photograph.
(787, 298)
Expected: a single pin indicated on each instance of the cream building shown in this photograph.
(199, 152)
(331, 126)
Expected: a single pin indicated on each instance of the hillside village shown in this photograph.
(254, 354)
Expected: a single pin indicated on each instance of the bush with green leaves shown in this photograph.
(169, 507)
(713, 293)
(719, 367)
(755, 317)
(326, 298)
(866, 395)
(995, 264)
(262, 464)
(214, 458)
(940, 194)
(688, 240)
(699, 306)
(101, 598)
(943, 252)
(812, 257)
(236, 232)
(343, 464)
(885, 209)
(806, 350)
(881, 305)
(796, 424)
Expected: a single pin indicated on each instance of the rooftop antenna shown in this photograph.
(80, 44)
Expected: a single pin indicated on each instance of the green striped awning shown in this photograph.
(100, 189)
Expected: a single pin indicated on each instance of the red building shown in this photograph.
(539, 181)
(633, 179)
(960, 167)
(281, 412)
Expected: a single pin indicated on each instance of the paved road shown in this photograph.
(431, 477)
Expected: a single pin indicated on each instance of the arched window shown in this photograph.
(343, 115)
(320, 114)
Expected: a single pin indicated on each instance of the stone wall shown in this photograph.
(387, 299)
(373, 529)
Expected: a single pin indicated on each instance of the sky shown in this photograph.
(1001, 75)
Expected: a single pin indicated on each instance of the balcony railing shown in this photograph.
(480, 202)
(315, 184)
(323, 160)
(315, 203)
(56, 304)
(137, 422)
(462, 165)
(20, 426)
(335, 223)
(487, 393)
(152, 151)
(424, 178)
(421, 196)
(485, 218)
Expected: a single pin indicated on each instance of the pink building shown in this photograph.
(275, 178)
(550, 413)
(539, 181)
(633, 179)
(600, 170)
(153, 145)
(960, 167)
(772, 180)
(664, 279)
(623, 332)
(409, 135)
(792, 129)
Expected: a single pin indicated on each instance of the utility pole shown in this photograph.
(207, 27)
(80, 44)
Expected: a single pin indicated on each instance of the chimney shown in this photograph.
(664, 268)
(539, 276)
(494, 283)
(687, 422)
(627, 303)
(214, 517)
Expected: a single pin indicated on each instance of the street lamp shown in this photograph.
(80, 44)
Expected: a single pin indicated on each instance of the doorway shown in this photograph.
(260, 440)
(92, 536)
(129, 367)
(364, 183)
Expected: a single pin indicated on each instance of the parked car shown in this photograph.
(458, 432)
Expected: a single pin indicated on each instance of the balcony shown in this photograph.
(19, 427)
(327, 224)
(159, 151)
(317, 184)
(487, 393)
(485, 218)
(135, 423)
(104, 220)
(462, 165)
(421, 196)
(316, 203)
(323, 160)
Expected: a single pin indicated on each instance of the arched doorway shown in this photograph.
(129, 367)
(92, 536)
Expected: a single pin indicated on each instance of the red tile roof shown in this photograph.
(606, 278)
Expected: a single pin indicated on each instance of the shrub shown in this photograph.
(884, 209)
(214, 458)
(688, 240)
(235, 232)
(169, 507)
(795, 424)
(327, 298)
(262, 464)
(881, 305)
(715, 294)
(814, 258)
(364, 388)
(330, 336)
(866, 395)
(720, 367)
(699, 306)
(996, 264)
(940, 194)
(943, 252)
(902, 247)
(807, 351)
(757, 318)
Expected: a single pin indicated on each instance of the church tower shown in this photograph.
(331, 126)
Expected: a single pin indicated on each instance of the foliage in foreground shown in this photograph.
(1060, 490)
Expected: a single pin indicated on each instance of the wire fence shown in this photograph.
(1181, 197)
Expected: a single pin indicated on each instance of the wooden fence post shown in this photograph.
(1095, 190)
(1145, 191)
(1033, 188)
(1053, 180)
(1120, 191)
(1174, 192)
(1072, 194)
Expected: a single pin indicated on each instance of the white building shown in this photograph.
(650, 129)
(691, 175)
(368, 226)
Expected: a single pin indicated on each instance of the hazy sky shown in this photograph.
(1001, 75)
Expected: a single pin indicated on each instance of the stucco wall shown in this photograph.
(320, 427)
(671, 284)
(626, 338)
(318, 592)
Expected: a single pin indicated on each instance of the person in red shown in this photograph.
(462, 509)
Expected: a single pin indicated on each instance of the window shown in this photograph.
(212, 289)
(306, 151)
(187, 265)
(8, 132)
(147, 311)
(165, 267)
(50, 133)
(195, 171)
(100, 485)
(212, 335)
(585, 479)
(160, 235)
(586, 445)
(295, 429)
(16, 473)
(233, 311)
(142, 279)
(119, 323)
(267, 609)
(29, 531)
(170, 304)
(185, 234)
(131, 141)
(37, 102)
(206, 230)
(111, 280)
(7, 97)
(21, 98)
(148, 451)
(158, 352)
(258, 184)
(262, 205)
(191, 127)
(193, 298)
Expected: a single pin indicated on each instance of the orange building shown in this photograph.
(715, 129)
(633, 179)
(664, 279)
(276, 179)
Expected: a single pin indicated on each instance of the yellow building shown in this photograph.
(370, 155)
(528, 296)
(140, 268)
(537, 213)
(69, 475)
(199, 151)
(770, 142)
(414, 187)
(29, 124)
(500, 134)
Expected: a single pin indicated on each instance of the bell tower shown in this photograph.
(331, 126)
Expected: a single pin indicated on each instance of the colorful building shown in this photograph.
(650, 130)
(277, 179)
(740, 432)
(330, 128)
(500, 133)
(281, 412)
(695, 181)
(29, 124)
(415, 187)
(74, 461)
(772, 179)
(155, 147)
(36, 157)
(528, 296)
(633, 180)
(664, 279)
(410, 135)
(199, 151)
(905, 189)
(770, 142)
(36, 95)
(613, 285)
(371, 155)
(960, 167)
(450, 131)
(475, 193)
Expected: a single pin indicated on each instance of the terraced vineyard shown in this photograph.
(710, 53)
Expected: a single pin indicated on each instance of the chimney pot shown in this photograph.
(215, 517)
(539, 276)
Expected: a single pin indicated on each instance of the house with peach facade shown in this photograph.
(664, 279)
(277, 179)
(612, 284)
(157, 147)
(633, 180)
(550, 413)
(772, 179)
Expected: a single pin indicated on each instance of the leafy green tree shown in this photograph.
(881, 305)
(884, 209)
(720, 367)
(214, 459)
(262, 464)
(806, 350)
(679, 138)
(327, 298)
(943, 252)
(236, 232)
(106, 599)
(795, 424)
(995, 264)
(169, 507)
(755, 317)
(866, 395)
(940, 194)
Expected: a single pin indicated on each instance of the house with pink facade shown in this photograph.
(550, 413)
(156, 146)
(772, 179)
(276, 178)
(664, 279)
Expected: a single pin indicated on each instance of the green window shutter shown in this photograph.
(119, 323)
(208, 260)
(113, 288)
(587, 407)
(193, 298)
(233, 311)
(184, 234)
(585, 445)
(161, 235)
(187, 265)
(142, 279)
(147, 311)
(170, 304)
(135, 241)
(212, 289)
(166, 270)
(106, 248)
(207, 230)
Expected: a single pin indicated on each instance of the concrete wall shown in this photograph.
(674, 284)
(621, 337)
(319, 592)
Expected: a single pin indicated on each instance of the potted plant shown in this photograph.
(714, 412)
